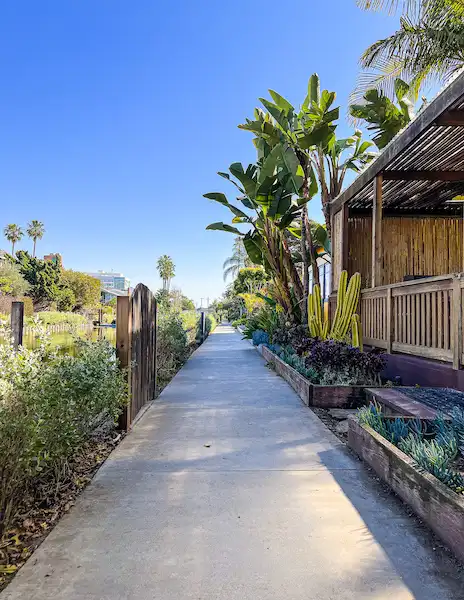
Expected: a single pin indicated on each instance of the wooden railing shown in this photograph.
(421, 317)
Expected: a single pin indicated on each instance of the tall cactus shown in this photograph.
(347, 305)
(345, 315)
(356, 332)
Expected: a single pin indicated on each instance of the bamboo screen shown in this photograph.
(411, 246)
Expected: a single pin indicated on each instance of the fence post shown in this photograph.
(202, 326)
(456, 323)
(123, 351)
(17, 323)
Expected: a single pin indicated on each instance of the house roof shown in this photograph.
(423, 166)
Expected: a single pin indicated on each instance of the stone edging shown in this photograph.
(440, 507)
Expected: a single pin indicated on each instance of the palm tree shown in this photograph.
(429, 45)
(35, 230)
(166, 270)
(13, 234)
(238, 260)
(383, 116)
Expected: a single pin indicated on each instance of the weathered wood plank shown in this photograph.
(377, 248)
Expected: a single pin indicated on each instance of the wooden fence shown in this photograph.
(421, 317)
(136, 348)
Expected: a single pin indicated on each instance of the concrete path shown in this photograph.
(229, 488)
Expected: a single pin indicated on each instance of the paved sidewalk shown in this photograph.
(229, 488)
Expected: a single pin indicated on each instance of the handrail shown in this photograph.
(424, 280)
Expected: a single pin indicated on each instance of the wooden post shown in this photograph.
(345, 241)
(377, 248)
(390, 331)
(456, 323)
(17, 323)
(462, 240)
(123, 351)
(202, 326)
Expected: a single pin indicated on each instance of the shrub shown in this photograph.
(296, 336)
(6, 302)
(289, 356)
(172, 346)
(338, 363)
(58, 318)
(210, 324)
(49, 407)
(238, 322)
(259, 337)
(12, 281)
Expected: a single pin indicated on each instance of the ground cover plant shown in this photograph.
(435, 446)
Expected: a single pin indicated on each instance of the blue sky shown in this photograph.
(116, 115)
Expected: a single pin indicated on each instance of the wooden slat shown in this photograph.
(435, 353)
(123, 349)
(433, 299)
(428, 324)
(418, 326)
(456, 323)
(446, 320)
(422, 311)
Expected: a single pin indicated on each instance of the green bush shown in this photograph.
(49, 407)
(210, 323)
(241, 321)
(190, 320)
(172, 346)
(58, 318)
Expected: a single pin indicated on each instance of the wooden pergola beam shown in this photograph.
(393, 175)
(451, 118)
(426, 118)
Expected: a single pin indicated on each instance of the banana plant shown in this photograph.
(311, 133)
(271, 203)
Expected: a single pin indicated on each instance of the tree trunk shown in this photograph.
(325, 194)
(313, 257)
(12, 248)
(33, 250)
(304, 256)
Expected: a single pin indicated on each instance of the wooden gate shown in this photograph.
(136, 348)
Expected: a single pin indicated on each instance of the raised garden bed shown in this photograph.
(440, 507)
(322, 396)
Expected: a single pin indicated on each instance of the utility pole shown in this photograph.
(201, 303)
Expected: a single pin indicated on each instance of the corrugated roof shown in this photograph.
(424, 145)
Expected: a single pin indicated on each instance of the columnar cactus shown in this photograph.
(347, 305)
(345, 315)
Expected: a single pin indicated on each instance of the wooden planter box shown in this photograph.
(440, 507)
(322, 396)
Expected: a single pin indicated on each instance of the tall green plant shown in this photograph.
(13, 234)
(238, 260)
(166, 270)
(428, 46)
(35, 230)
(384, 118)
(269, 193)
(310, 133)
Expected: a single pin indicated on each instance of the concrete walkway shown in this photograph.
(229, 488)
